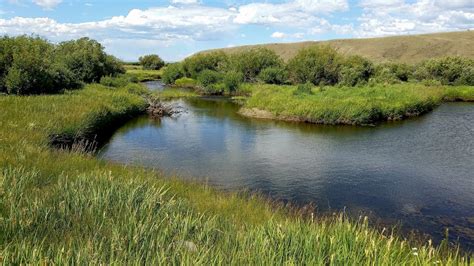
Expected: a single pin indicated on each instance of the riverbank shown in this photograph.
(347, 105)
(60, 206)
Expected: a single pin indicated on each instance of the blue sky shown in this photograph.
(175, 29)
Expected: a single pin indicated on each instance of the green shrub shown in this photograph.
(87, 60)
(186, 82)
(273, 75)
(317, 64)
(209, 77)
(447, 70)
(232, 81)
(355, 70)
(214, 89)
(392, 73)
(151, 62)
(194, 65)
(172, 72)
(306, 88)
(251, 62)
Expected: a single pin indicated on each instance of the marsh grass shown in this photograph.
(353, 105)
(142, 75)
(63, 207)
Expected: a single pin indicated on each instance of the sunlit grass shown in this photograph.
(144, 75)
(348, 105)
(61, 207)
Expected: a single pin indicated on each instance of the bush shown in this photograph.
(151, 62)
(186, 83)
(306, 88)
(392, 73)
(232, 81)
(214, 89)
(209, 77)
(172, 72)
(273, 75)
(317, 64)
(447, 70)
(87, 60)
(251, 62)
(194, 65)
(355, 70)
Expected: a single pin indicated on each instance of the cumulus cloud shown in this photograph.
(185, 2)
(421, 16)
(281, 35)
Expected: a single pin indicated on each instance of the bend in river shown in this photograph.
(419, 172)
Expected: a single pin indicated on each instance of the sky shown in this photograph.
(175, 29)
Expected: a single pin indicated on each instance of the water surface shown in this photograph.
(419, 172)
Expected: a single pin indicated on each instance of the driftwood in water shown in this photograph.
(157, 108)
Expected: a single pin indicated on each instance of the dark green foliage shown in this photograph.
(304, 89)
(32, 65)
(318, 64)
(151, 62)
(392, 73)
(447, 70)
(209, 77)
(216, 61)
(172, 72)
(273, 75)
(356, 70)
(251, 62)
(87, 60)
(232, 81)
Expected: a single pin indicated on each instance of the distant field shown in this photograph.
(407, 49)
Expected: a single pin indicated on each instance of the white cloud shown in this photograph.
(281, 35)
(278, 35)
(47, 4)
(422, 16)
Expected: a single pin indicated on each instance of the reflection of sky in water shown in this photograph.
(421, 167)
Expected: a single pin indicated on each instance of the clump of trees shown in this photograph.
(217, 72)
(32, 65)
(151, 62)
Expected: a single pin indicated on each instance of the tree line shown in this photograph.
(32, 65)
(218, 72)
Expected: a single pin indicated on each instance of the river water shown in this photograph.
(418, 173)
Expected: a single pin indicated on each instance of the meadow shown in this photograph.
(65, 206)
(347, 105)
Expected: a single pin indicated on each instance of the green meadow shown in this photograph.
(67, 207)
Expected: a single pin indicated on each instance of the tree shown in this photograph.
(317, 64)
(251, 62)
(151, 62)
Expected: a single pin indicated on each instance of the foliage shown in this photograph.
(232, 81)
(172, 72)
(208, 77)
(317, 64)
(448, 70)
(87, 60)
(194, 65)
(31, 65)
(151, 62)
(273, 75)
(251, 62)
(141, 75)
(356, 70)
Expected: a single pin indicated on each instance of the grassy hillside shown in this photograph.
(406, 49)
(62, 207)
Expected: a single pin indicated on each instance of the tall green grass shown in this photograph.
(348, 105)
(63, 207)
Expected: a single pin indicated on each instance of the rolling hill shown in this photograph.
(407, 49)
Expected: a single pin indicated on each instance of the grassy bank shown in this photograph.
(141, 75)
(347, 105)
(68, 207)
